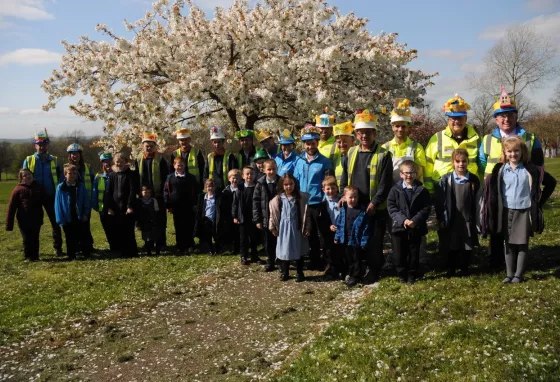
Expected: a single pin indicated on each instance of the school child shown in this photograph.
(260, 157)
(148, 220)
(231, 231)
(513, 202)
(179, 194)
(290, 224)
(409, 205)
(72, 208)
(98, 194)
(328, 213)
(208, 216)
(242, 213)
(120, 204)
(352, 230)
(26, 203)
(456, 204)
(265, 190)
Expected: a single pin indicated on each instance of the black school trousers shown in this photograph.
(406, 254)
(30, 236)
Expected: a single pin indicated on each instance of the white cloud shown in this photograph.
(473, 67)
(446, 87)
(30, 57)
(25, 9)
(541, 5)
(548, 25)
(4, 110)
(32, 112)
(450, 55)
(494, 32)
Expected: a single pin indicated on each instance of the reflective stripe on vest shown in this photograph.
(493, 151)
(445, 147)
(87, 179)
(374, 170)
(338, 169)
(53, 164)
(100, 190)
(397, 160)
(224, 166)
(192, 167)
(156, 173)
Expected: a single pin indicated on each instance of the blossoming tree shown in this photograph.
(274, 61)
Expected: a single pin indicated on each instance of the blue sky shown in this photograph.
(451, 38)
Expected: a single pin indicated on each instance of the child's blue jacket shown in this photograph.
(62, 203)
(359, 235)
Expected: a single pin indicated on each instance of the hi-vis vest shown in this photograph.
(438, 155)
(87, 179)
(397, 160)
(329, 148)
(156, 173)
(493, 149)
(338, 169)
(101, 186)
(374, 170)
(31, 161)
(224, 166)
(192, 166)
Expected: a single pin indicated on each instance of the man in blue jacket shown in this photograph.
(310, 171)
(48, 173)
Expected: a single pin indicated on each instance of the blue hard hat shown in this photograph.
(74, 147)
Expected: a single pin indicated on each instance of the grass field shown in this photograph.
(437, 329)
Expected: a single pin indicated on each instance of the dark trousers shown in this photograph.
(374, 253)
(443, 242)
(30, 236)
(459, 258)
(183, 223)
(86, 241)
(75, 232)
(269, 241)
(107, 222)
(56, 231)
(334, 254)
(354, 257)
(208, 233)
(248, 235)
(162, 222)
(496, 250)
(125, 240)
(284, 266)
(313, 212)
(406, 254)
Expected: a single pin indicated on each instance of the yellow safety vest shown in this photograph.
(338, 169)
(493, 149)
(329, 148)
(374, 170)
(438, 155)
(156, 173)
(53, 164)
(101, 183)
(409, 150)
(224, 166)
(192, 166)
(87, 179)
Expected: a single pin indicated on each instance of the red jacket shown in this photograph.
(27, 202)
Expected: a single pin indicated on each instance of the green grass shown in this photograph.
(46, 293)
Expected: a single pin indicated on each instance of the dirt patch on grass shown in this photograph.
(235, 323)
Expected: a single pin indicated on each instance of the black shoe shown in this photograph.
(269, 268)
(464, 273)
(411, 280)
(300, 277)
(244, 261)
(402, 280)
(352, 281)
(59, 252)
(284, 277)
(450, 273)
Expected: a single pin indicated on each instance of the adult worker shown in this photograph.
(247, 152)
(310, 171)
(344, 139)
(266, 139)
(152, 170)
(97, 195)
(287, 159)
(194, 158)
(457, 134)
(490, 150)
(369, 168)
(47, 171)
(327, 144)
(220, 160)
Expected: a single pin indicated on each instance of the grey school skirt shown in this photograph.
(518, 226)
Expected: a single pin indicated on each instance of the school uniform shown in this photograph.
(412, 203)
(72, 205)
(231, 231)
(208, 220)
(242, 210)
(334, 253)
(180, 195)
(265, 191)
(147, 220)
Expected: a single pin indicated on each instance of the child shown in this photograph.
(98, 194)
(409, 205)
(72, 209)
(148, 220)
(328, 214)
(27, 200)
(208, 216)
(242, 213)
(260, 157)
(265, 190)
(232, 230)
(290, 224)
(512, 203)
(456, 202)
(179, 194)
(352, 229)
(120, 202)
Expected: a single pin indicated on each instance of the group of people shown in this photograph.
(334, 201)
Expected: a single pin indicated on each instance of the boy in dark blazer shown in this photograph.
(208, 216)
